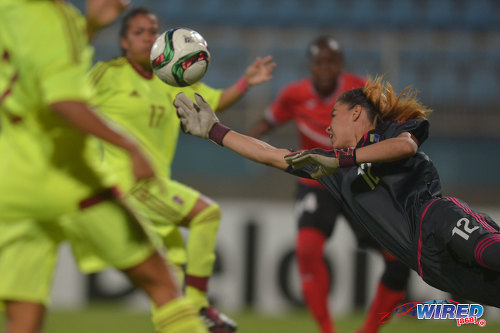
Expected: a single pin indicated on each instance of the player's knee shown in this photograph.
(211, 215)
(396, 275)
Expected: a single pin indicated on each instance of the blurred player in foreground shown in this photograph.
(142, 104)
(308, 103)
(46, 175)
(387, 185)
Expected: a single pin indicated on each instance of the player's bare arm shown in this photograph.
(256, 150)
(390, 150)
(258, 72)
(327, 162)
(199, 120)
(101, 13)
(81, 116)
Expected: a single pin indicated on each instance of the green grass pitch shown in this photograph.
(103, 318)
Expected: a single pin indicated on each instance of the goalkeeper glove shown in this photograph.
(326, 161)
(199, 119)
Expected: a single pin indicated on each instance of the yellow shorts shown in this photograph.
(28, 252)
(166, 208)
(162, 209)
(108, 232)
(28, 248)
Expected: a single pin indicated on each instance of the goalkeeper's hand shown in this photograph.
(196, 118)
(199, 119)
(326, 162)
(325, 165)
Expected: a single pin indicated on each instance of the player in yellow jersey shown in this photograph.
(46, 175)
(130, 96)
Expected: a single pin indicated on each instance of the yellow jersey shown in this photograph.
(143, 107)
(45, 168)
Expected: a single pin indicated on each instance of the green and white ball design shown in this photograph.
(180, 57)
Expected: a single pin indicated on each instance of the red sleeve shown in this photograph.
(281, 110)
(352, 81)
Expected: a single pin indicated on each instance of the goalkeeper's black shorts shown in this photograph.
(446, 250)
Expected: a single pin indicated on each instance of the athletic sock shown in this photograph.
(177, 316)
(314, 276)
(196, 295)
(385, 301)
(176, 254)
(390, 292)
(201, 253)
(487, 252)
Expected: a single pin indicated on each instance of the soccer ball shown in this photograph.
(180, 57)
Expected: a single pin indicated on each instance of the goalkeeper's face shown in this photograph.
(343, 125)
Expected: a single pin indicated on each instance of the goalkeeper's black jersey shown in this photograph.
(386, 198)
(400, 205)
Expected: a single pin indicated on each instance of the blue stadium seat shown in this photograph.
(332, 14)
(406, 14)
(222, 12)
(484, 83)
(414, 68)
(338, 14)
(292, 66)
(441, 14)
(328, 13)
(446, 84)
(479, 14)
(307, 13)
(253, 13)
(168, 11)
(481, 87)
(363, 62)
(402, 14)
(363, 14)
(226, 64)
(262, 13)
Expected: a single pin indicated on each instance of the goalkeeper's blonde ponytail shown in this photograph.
(382, 103)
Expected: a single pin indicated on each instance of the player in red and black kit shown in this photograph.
(386, 184)
(308, 103)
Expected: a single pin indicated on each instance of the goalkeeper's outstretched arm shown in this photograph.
(256, 150)
(198, 118)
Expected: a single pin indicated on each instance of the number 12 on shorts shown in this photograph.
(462, 229)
